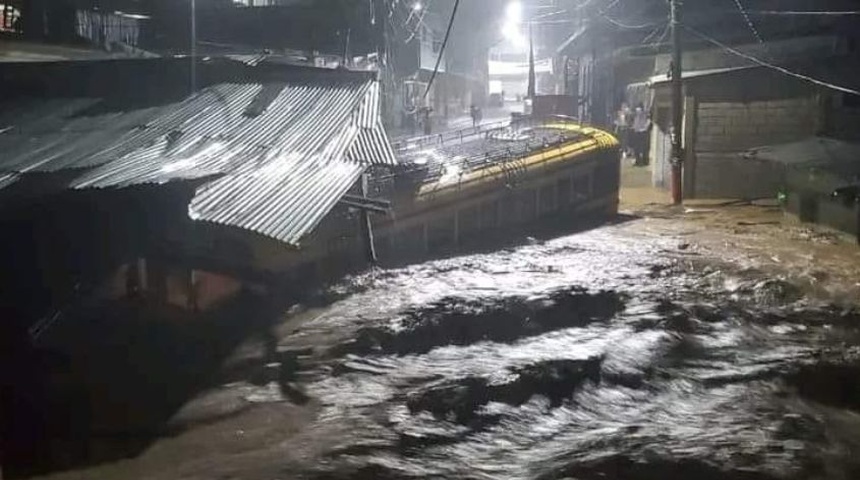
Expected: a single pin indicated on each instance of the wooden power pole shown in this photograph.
(193, 52)
(677, 106)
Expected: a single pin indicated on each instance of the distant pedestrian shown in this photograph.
(641, 127)
(132, 281)
(623, 120)
(473, 112)
(425, 120)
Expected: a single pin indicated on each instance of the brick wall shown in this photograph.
(735, 127)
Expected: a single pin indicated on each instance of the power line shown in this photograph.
(619, 24)
(652, 34)
(550, 14)
(657, 42)
(801, 13)
(442, 49)
(610, 6)
(769, 65)
(626, 26)
(749, 21)
(395, 19)
(418, 24)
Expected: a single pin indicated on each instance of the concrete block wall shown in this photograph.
(812, 207)
(735, 126)
(728, 175)
(844, 122)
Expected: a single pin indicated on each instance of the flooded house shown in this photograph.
(751, 132)
(270, 175)
(134, 207)
(168, 187)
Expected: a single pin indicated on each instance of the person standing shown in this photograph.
(473, 112)
(641, 127)
(623, 118)
(425, 120)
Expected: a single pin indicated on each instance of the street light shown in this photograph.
(514, 12)
(511, 27)
(512, 33)
(416, 7)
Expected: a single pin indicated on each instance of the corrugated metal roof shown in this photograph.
(287, 190)
(58, 141)
(373, 146)
(285, 151)
(285, 199)
(368, 113)
(822, 153)
(7, 179)
(691, 74)
(249, 59)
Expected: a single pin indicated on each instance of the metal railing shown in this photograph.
(406, 144)
(508, 155)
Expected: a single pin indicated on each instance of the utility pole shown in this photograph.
(677, 106)
(532, 87)
(193, 46)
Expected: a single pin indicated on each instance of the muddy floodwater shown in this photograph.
(708, 344)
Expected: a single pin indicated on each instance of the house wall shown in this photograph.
(732, 113)
(726, 129)
(738, 126)
(810, 198)
(816, 208)
(729, 175)
(844, 124)
(843, 112)
(173, 286)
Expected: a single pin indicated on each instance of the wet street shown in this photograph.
(713, 342)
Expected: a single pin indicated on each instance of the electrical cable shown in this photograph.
(769, 65)
(666, 31)
(652, 34)
(442, 49)
(803, 13)
(550, 14)
(400, 22)
(626, 26)
(749, 21)
(418, 24)
(619, 24)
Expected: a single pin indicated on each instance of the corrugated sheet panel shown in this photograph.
(368, 113)
(251, 59)
(7, 179)
(40, 115)
(372, 146)
(212, 133)
(206, 157)
(285, 151)
(285, 199)
(56, 143)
